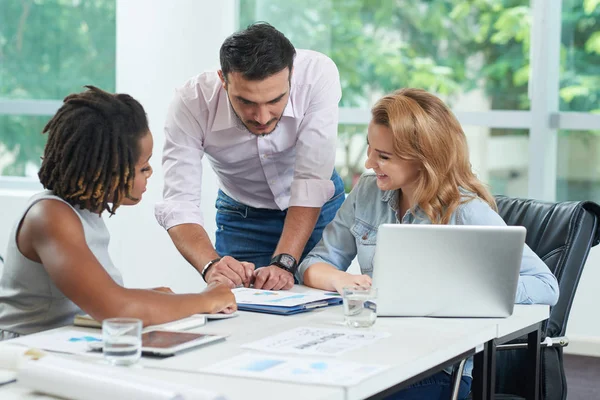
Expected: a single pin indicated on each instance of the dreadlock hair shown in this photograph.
(92, 149)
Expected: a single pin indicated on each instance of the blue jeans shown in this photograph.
(435, 387)
(251, 234)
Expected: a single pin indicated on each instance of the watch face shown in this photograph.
(287, 260)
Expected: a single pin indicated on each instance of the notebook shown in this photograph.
(191, 322)
(283, 302)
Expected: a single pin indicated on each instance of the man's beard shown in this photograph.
(242, 125)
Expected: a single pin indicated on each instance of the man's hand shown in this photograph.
(273, 278)
(231, 272)
(221, 298)
(347, 279)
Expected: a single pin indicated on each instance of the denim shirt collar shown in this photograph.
(391, 197)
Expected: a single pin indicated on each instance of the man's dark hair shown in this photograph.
(92, 149)
(257, 52)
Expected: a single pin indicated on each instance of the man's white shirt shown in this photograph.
(292, 166)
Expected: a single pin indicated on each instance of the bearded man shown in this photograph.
(267, 122)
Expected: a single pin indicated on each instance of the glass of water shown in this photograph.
(122, 340)
(360, 308)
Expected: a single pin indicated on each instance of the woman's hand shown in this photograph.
(221, 298)
(163, 289)
(345, 279)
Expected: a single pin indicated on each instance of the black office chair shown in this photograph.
(561, 234)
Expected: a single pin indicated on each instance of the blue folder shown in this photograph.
(290, 310)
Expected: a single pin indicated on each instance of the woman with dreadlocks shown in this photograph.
(57, 264)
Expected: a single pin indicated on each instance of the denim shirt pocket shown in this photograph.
(366, 237)
(225, 207)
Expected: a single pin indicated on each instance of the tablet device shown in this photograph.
(167, 343)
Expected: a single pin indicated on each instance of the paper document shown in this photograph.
(281, 298)
(316, 341)
(69, 341)
(303, 370)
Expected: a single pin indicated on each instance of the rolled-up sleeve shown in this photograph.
(316, 145)
(182, 167)
(337, 246)
(537, 284)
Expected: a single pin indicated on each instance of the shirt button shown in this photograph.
(365, 236)
(264, 156)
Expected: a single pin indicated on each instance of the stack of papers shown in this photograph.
(283, 302)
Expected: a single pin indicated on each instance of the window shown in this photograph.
(489, 60)
(48, 49)
(578, 161)
(475, 56)
(447, 47)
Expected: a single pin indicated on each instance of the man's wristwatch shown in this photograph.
(286, 262)
(207, 267)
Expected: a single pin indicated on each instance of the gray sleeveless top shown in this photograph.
(29, 300)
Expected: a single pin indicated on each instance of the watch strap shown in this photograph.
(207, 267)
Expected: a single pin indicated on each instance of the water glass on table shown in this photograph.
(360, 308)
(122, 340)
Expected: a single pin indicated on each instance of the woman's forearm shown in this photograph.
(321, 276)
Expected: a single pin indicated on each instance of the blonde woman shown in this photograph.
(422, 175)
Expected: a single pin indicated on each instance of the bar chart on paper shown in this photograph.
(304, 370)
(283, 302)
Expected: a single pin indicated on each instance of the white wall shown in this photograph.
(160, 44)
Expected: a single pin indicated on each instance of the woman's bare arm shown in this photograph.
(52, 234)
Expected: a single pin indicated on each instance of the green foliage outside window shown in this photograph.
(449, 47)
(48, 49)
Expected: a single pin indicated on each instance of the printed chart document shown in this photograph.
(283, 302)
(316, 341)
(303, 370)
(69, 341)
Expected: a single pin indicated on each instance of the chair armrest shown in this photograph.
(561, 341)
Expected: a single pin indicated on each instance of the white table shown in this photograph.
(416, 347)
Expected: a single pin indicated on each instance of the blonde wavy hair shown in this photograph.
(426, 131)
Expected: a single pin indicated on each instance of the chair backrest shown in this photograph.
(561, 234)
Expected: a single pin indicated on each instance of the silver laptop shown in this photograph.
(447, 270)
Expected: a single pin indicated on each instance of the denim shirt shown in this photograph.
(353, 233)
